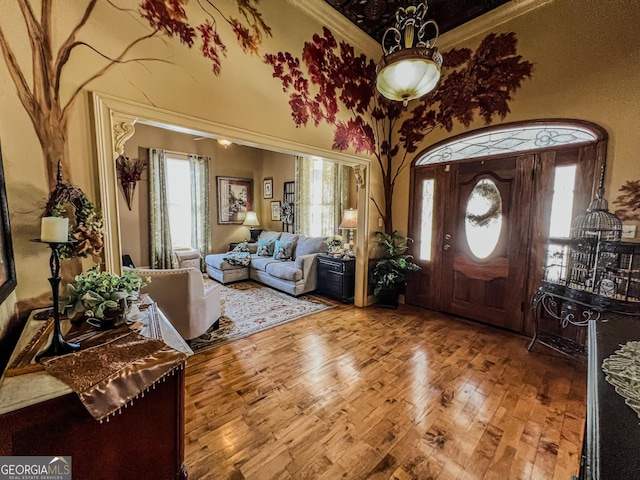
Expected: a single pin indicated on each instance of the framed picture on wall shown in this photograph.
(267, 187)
(235, 199)
(275, 211)
(7, 266)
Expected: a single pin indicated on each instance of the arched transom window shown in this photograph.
(507, 140)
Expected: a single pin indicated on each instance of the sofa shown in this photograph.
(290, 267)
(181, 294)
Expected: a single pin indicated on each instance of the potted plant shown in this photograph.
(102, 295)
(391, 272)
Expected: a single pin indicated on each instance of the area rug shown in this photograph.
(249, 307)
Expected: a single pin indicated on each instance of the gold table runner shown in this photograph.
(110, 375)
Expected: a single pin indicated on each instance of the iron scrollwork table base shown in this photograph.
(566, 311)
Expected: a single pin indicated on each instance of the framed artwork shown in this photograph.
(7, 266)
(275, 211)
(267, 187)
(235, 199)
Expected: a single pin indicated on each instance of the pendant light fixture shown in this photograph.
(410, 67)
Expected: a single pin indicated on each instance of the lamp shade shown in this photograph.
(251, 219)
(349, 220)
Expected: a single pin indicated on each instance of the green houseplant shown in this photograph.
(101, 294)
(391, 271)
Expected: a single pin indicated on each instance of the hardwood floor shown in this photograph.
(354, 393)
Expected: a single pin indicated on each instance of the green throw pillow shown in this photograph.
(266, 247)
(283, 250)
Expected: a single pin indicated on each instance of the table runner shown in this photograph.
(109, 376)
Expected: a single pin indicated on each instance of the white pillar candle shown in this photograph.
(54, 230)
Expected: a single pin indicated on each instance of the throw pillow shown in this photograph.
(266, 247)
(241, 247)
(283, 250)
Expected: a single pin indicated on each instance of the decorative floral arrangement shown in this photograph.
(489, 192)
(335, 242)
(95, 291)
(129, 169)
(286, 213)
(85, 222)
(129, 172)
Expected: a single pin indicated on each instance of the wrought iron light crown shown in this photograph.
(410, 67)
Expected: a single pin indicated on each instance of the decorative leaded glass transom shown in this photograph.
(508, 141)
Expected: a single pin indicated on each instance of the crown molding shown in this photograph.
(489, 21)
(339, 25)
(326, 15)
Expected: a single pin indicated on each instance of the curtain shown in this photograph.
(161, 251)
(201, 212)
(322, 189)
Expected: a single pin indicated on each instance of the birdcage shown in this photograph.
(617, 271)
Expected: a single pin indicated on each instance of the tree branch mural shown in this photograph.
(331, 78)
(629, 201)
(41, 99)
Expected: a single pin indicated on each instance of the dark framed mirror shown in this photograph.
(8, 280)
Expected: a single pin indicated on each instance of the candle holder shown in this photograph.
(59, 346)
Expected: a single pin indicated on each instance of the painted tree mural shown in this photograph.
(629, 201)
(40, 95)
(330, 78)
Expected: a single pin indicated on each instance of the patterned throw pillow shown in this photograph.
(266, 247)
(283, 250)
(241, 247)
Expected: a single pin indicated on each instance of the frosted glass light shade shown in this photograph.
(251, 219)
(408, 74)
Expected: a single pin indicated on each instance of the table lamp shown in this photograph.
(251, 220)
(349, 222)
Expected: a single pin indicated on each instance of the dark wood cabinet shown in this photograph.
(336, 277)
(144, 441)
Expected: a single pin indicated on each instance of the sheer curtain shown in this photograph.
(322, 189)
(200, 211)
(161, 250)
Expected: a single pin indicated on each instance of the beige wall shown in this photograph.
(281, 168)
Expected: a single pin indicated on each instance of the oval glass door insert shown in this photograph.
(483, 218)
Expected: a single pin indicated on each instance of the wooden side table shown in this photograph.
(336, 277)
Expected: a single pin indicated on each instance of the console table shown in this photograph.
(40, 415)
(612, 435)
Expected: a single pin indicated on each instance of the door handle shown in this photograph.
(447, 246)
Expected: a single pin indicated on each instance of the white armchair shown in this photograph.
(181, 295)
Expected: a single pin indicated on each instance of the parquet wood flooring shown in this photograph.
(368, 393)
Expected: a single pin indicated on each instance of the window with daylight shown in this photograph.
(426, 222)
(560, 219)
(322, 195)
(179, 190)
(179, 205)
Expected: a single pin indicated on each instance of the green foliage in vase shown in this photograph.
(95, 291)
(394, 266)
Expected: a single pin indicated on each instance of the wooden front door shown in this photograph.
(485, 241)
(494, 283)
